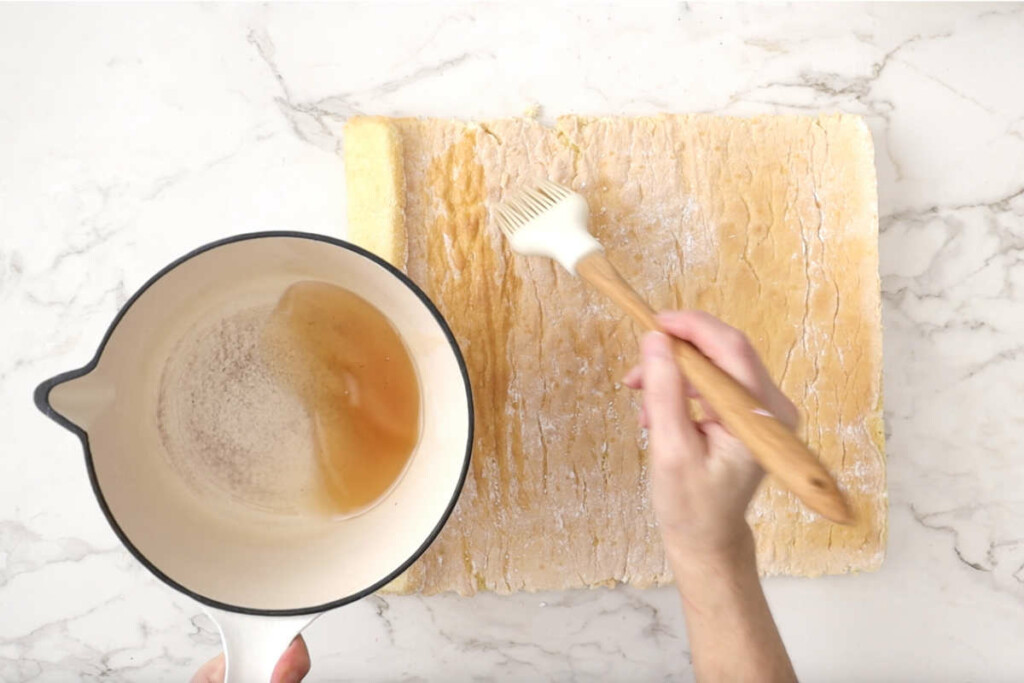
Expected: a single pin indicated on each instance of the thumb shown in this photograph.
(294, 663)
(672, 432)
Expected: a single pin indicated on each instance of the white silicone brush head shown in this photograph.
(548, 220)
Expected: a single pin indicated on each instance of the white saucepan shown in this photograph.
(262, 576)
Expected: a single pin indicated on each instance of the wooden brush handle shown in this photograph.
(772, 444)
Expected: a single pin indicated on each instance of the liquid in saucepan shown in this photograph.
(351, 371)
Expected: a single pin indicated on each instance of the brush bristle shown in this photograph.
(523, 206)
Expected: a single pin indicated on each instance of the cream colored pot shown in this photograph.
(262, 576)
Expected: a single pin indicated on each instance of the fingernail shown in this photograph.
(655, 345)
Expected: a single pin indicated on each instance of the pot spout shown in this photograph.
(76, 398)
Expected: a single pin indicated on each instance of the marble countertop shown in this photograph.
(130, 134)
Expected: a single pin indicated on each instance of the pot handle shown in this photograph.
(253, 644)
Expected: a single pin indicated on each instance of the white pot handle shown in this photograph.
(253, 644)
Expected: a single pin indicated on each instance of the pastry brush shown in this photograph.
(551, 220)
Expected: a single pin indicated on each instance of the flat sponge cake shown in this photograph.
(769, 223)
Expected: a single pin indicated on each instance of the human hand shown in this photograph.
(291, 668)
(702, 477)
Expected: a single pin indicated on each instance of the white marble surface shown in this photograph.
(131, 134)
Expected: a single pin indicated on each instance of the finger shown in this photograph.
(725, 345)
(641, 418)
(782, 409)
(672, 432)
(634, 379)
(211, 672)
(294, 663)
(729, 349)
